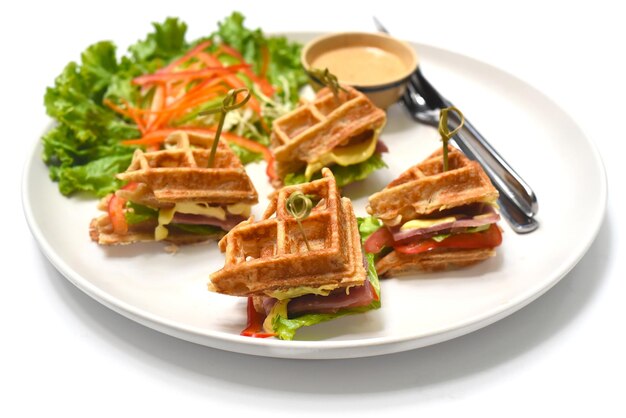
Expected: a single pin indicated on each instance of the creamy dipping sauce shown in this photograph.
(361, 65)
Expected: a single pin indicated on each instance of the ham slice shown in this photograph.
(486, 217)
(337, 300)
(191, 219)
(452, 227)
(381, 148)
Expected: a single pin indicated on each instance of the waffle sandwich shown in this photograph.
(172, 195)
(291, 282)
(428, 219)
(340, 132)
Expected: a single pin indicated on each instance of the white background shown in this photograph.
(64, 353)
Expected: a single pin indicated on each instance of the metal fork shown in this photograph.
(518, 202)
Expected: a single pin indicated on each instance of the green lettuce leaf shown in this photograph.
(83, 150)
(292, 179)
(245, 155)
(367, 226)
(199, 229)
(96, 177)
(139, 213)
(285, 328)
(440, 237)
(165, 43)
(284, 69)
(343, 175)
(356, 172)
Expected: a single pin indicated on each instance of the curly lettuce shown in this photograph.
(284, 69)
(367, 226)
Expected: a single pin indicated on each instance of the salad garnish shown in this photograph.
(106, 106)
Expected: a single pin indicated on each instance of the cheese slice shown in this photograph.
(166, 215)
(344, 156)
(242, 209)
(279, 309)
(426, 223)
(201, 209)
(294, 292)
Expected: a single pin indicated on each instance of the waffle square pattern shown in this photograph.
(270, 255)
(425, 188)
(318, 126)
(180, 172)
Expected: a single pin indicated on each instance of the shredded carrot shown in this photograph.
(130, 112)
(118, 109)
(230, 79)
(192, 52)
(157, 104)
(179, 89)
(188, 74)
(265, 85)
(145, 140)
(134, 114)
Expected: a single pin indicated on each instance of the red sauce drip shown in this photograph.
(254, 327)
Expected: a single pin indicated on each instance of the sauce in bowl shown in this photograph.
(361, 65)
(377, 64)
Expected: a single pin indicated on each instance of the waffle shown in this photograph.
(318, 126)
(177, 174)
(180, 173)
(398, 264)
(101, 231)
(426, 188)
(270, 255)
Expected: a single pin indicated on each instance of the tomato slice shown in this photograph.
(378, 240)
(116, 211)
(254, 327)
(490, 238)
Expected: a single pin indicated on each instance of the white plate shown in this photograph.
(168, 292)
